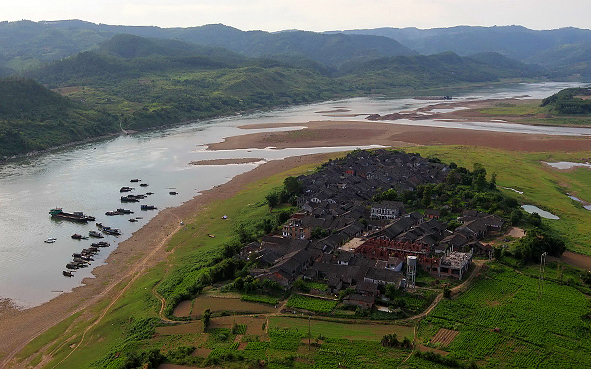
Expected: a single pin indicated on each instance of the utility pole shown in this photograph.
(541, 278)
(309, 330)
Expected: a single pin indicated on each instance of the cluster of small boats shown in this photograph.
(108, 230)
(84, 257)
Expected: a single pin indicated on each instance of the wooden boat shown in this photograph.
(100, 244)
(77, 236)
(144, 185)
(135, 180)
(149, 193)
(133, 220)
(67, 273)
(173, 193)
(125, 189)
(124, 211)
(95, 234)
(148, 207)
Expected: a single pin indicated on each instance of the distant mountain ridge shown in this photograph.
(26, 44)
(565, 50)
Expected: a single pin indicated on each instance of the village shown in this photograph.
(344, 239)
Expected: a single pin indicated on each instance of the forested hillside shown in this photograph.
(34, 118)
(570, 101)
(433, 70)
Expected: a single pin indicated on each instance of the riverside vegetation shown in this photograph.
(501, 307)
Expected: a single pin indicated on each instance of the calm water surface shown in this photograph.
(88, 177)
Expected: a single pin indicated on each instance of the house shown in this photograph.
(394, 264)
(362, 301)
(383, 277)
(454, 265)
(296, 228)
(432, 214)
(387, 210)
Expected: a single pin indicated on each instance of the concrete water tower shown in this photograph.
(411, 270)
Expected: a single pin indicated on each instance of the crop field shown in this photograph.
(444, 337)
(216, 304)
(359, 331)
(311, 304)
(500, 319)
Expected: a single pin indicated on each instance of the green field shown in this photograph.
(501, 319)
(311, 304)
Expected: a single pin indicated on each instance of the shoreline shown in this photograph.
(150, 239)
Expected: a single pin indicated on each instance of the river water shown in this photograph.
(88, 177)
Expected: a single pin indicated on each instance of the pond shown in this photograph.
(564, 165)
(543, 213)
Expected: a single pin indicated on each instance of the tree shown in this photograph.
(515, 217)
(292, 186)
(272, 199)
(446, 291)
(205, 318)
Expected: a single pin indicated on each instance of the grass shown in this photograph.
(530, 112)
(519, 108)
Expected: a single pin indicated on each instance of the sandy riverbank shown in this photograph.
(342, 133)
(18, 327)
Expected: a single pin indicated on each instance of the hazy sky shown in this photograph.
(313, 15)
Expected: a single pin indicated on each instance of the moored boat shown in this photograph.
(148, 207)
(125, 189)
(67, 273)
(77, 236)
(124, 211)
(76, 216)
(135, 180)
(95, 234)
(100, 244)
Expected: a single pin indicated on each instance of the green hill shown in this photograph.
(35, 118)
(570, 101)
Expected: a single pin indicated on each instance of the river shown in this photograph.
(88, 177)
